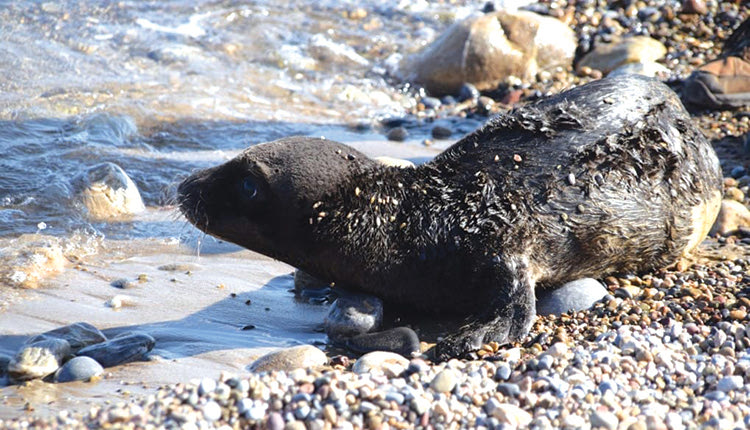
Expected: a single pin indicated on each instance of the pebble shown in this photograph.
(604, 419)
(401, 340)
(353, 314)
(444, 381)
(398, 134)
(79, 369)
(440, 132)
(508, 413)
(304, 356)
(390, 363)
(729, 383)
(39, 359)
(732, 216)
(574, 296)
(211, 411)
(503, 372)
(123, 283)
(78, 335)
(467, 91)
(124, 348)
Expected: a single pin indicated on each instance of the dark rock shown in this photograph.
(123, 283)
(401, 340)
(79, 369)
(440, 132)
(468, 92)
(574, 296)
(121, 349)
(38, 359)
(448, 100)
(353, 314)
(78, 335)
(398, 134)
(509, 389)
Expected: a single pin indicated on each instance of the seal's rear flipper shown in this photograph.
(507, 318)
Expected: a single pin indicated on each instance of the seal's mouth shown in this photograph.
(192, 202)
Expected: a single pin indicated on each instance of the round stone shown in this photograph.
(79, 369)
(444, 381)
(390, 363)
(303, 356)
(211, 411)
(398, 134)
(38, 359)
(573, 296)
(401, 340)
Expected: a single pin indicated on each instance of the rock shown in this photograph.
(78, 335)
(4, 363)
(444, 381)
(211, 411)
(39, 359)
(394, 162)
(306, 281)
(649, 69)
(79, 369)
(482, 50)
(730, 383)
(555, 42)
(106, 191)
(124, 348)
(576, 295)
(507, 413)
(123, 283)
(398, 134)
(401, 340)
(440, 132)
(389, 363)
(734, 193)
(636, 49)
(694, 7)
(468, 91)
(509, 389)
(303, 356)
(353, 314)
(604, 419)
(732, 216)
(430, 102)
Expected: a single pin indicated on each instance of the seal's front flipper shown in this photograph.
(506, 319)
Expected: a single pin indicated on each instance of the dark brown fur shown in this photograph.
(605, 178)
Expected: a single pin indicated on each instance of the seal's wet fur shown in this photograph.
(608, 177)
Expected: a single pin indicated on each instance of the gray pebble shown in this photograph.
(440, 132)
(398, 134)
(444, 381)
(508, 389)
(394, 396)
(468, 92)
(431, 102)
(302, 411)
(79, 369)
(123, 283)
(574, 296)
(730, 383)
(121, 349)
(503, 372)
(401, 340)
(353, 314)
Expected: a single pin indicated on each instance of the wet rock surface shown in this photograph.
(78, 335)
(106, 191)
(39, 359)
(124, 348)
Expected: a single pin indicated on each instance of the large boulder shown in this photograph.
(486, 50)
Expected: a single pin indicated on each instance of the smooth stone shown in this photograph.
(123, 283)
(574, 296)
(401, 340)
(431, 102)
(650, 69)
(507, 413)
(444, 381)
(440, 132)
(106, 191)
(79, 369)
(730, 383)
(124, 348)
(302, 356)
(485, 50)
(732, 216)
(78, 335)
(610, 56)
(275, 421)
(38, 359)
(398, 134)
(509, 389)
(211, 411)
(353, 314)
(390, 363)
(394, 162)
(604, 419)
(468, 91)
(503, 372)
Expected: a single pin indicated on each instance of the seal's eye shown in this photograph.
(249, 187)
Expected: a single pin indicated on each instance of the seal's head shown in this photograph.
(262, 199)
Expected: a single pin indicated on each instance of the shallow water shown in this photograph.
(161, 89)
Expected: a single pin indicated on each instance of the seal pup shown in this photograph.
(608, 177)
